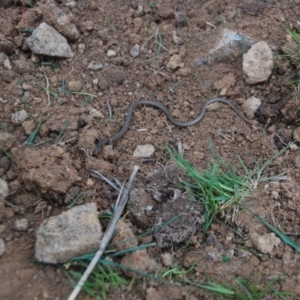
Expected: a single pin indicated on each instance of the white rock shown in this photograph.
(135, 51)
(143, 150)
(3, 188)
(264, 243)
(250, 107)
(111, 53)
(2, 247)
(19, 117)
(95, 113)
(7, 64)
(258, 63)
(21, 224)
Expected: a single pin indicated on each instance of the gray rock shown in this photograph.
(21, 224)
(19, 117)
(258, 63)
(250, 107)
(6, 140)
(72, 233)
(3, 188)
(95, 67)
(3, 57)
(135, 51)
(45, 40)
(143, 150)
(2, 247)
(141, 207)
(226, 43)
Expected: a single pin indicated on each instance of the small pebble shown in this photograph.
(21, 224)
(2, 247)
(111, 53)
(19, 117)
(135, 51)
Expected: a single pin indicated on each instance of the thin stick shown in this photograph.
(47, 87)
(161, 73)
(109, 108)
(98, 175)
(121, 202)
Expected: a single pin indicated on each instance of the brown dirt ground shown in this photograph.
(118, 26)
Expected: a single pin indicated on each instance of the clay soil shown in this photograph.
(119, 25)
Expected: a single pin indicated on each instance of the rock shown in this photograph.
(166, 12)
(139, 260)
(135, 51)
(258, 63)
(74, 86)
(123, 233)
(95, 67)
(6, 46)
(297, 161)
(7, 64)
(72, 233)
(3, 57)
(143, 150)
(71, 4)
(96, 114)
(250, 106)
(141, 207)
(3, 188)
(264, 243)
(28, 126)
(48, 171)
(21, 224)
(45, 40)
(111, 53)
(175, 62)
(226, 43)
(166, 259)
(19, 117)
(6, 140)
(296, 134)
(176, 39)
(5, 163)
(55, 17)
(2, 247)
